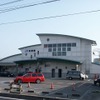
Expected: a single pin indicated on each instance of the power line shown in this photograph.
(26, 6)
(7, 3)
(51, 17)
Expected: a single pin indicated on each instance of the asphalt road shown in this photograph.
(9, 98)
(62, 88)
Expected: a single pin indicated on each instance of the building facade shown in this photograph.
(55, 55)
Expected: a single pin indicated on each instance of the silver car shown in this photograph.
(75, 75)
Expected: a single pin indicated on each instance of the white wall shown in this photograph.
(81, 53)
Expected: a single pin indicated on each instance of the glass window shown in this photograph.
(48, 39)
(31, 50)
(68, 49)
(59, 49)
(73, 44)
(54, 49)
(59, 53)
(34, 50)
(26, 50)
(69, 72)
(49, 45)
(63, 49)
(54, 45)
(34, 54)
(39, 74)
(45, 45)
(63, 53)
(49, 49)
(38, 52)
(64, 45)
(59, 45)
(31, 56)
(34, 75)
(25, 54)
(68, 44)
(54, 54)
(27, 75)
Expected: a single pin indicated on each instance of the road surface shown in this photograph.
(9, 98)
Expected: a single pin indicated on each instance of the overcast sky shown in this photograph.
(16, 35)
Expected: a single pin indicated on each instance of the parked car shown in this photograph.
(75, 75)
(6, 74)
(30, 77)
(97, 81)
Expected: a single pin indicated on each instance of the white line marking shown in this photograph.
(81, 84)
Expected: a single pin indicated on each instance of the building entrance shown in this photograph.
(59, 73)
(53, 73)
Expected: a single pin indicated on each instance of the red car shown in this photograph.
(30, 77)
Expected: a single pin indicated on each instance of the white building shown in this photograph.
(54, 56)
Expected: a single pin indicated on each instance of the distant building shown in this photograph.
(55, 55)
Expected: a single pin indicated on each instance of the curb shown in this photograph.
(19, 96)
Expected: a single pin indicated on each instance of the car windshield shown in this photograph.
(27, 75)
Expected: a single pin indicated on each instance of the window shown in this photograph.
(68, 49)
(59, 53)
(45, 46)
(54, 54)
(26, 50)
(33, 75)
(63, 53)
(48, 39)
(54, 49)
(38, 52)
(34, 54)
(63, 49)
(49, 49)
(39, 74)
(31, 56)
(59, 49)
(73, 44)
(27, 75)
(68, 44)
(25, 54)
(34, 50)
(64, 45)
(54, 45)
(31, 50)
(49, 45)
(59, 45)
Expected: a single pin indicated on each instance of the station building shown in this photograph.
(56, 55)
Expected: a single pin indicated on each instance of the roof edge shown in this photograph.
(49, 34)
(10, 56)
(29, 46)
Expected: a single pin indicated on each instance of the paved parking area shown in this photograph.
(59, 88)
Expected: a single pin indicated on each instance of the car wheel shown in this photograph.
(38, 81)
(82, 78)
(19, 81)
